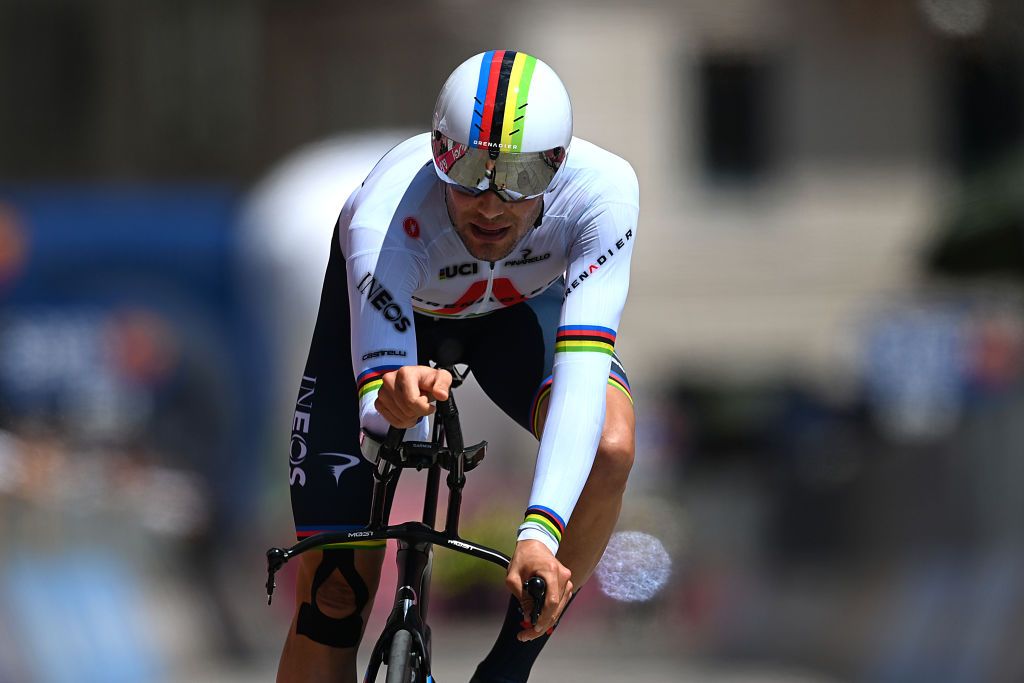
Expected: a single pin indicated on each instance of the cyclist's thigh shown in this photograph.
(331, 484)
(514, 355)
(504, 350)
(508, 357)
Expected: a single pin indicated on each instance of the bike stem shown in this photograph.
(449, 415)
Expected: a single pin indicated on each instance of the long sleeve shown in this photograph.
(597, 280)
(382, 278)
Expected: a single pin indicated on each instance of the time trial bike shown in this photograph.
(404, 645)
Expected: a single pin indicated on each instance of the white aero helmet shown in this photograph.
(502, 122)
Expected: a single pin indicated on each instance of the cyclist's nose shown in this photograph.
(489, 204)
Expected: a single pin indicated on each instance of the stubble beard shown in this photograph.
(489, 252)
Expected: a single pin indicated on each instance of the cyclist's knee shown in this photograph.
(335, 591)
(334, 596)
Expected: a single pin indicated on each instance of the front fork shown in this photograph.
(415, 563)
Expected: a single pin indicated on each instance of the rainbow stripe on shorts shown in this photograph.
(573, 338)
(619, 382)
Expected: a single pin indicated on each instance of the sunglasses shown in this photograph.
(513, 177)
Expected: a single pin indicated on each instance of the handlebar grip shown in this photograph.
(538, 589)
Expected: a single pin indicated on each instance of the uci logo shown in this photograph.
(462, 269)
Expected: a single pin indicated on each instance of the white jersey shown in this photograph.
(403, 255)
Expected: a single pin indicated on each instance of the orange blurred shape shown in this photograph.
(998, 352)
(13, 244)
(141, 346)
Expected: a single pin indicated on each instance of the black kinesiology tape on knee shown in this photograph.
(334, 631)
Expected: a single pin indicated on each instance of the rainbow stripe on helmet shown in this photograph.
(499, 113)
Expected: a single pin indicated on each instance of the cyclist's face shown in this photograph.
(489, 227)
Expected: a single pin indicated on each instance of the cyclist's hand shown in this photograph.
(532, 558)
(406, 394)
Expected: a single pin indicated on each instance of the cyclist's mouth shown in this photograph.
(489, 234)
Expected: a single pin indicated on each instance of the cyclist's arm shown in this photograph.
(597, 280)
(382, 275)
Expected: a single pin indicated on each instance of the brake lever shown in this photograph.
(275, 560)
(537, 588)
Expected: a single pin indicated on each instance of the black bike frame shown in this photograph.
(415, 539)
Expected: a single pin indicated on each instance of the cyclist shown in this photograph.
(500, 241)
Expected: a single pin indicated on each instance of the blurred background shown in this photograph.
(824, 336)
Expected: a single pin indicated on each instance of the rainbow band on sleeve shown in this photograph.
(501, 99)
(370, 379)
(573, 338)
(545, 519)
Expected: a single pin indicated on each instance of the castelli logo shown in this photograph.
(412, 227)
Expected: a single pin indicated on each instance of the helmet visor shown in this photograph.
(513, 176)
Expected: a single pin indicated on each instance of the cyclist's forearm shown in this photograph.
(568, 446)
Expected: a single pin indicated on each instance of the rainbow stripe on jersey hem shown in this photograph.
(586, 338)
(545, 519)
(370, 379)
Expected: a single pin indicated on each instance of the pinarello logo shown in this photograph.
(412, 227)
